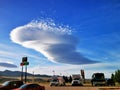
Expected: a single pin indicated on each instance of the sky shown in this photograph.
(63, 36)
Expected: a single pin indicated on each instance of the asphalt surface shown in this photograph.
(71, 88)
(81, 88)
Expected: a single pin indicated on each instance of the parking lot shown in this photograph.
(81, 88)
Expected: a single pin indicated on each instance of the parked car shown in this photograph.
(110, 82)
(57, 81)
(98, 79)
(10, 85)
(54, 82)
(76, 80)
(30, 87)
(76, 83)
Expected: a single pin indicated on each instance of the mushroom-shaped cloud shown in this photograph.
(53, 41)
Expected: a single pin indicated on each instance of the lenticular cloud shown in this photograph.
(7, 65)
(53, 41)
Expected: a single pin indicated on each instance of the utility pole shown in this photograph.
(33, 77)
(53, 73)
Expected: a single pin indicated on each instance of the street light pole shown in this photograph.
(53, 73)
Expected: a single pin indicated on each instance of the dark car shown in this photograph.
(110, 82)
(10, 85)
(98, 79)
(30, 87)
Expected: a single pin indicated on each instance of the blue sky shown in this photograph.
(64, 36)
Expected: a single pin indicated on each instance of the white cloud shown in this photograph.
(7, 65)
(54, 41)
(68, 70)
(12, 57)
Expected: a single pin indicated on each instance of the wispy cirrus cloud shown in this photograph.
(7, 57)
(11, 58)
(53, 41)
(7, 65)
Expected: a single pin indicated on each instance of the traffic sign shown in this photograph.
(24, 59)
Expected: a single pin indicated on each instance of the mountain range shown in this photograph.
(9, 73)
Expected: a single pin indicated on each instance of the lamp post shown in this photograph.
(33, 77)
(53, 73)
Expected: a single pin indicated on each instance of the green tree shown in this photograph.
(117, 76)
(113, 77)
(70, 79)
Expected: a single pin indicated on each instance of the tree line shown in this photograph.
(116, 76)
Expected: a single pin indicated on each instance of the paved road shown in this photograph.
(81, 88)
(71, 88)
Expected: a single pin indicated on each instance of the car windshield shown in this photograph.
(23, 86)
(5, 83)
(54, 80)
(29, 86)
(99, 76)
(76, 79)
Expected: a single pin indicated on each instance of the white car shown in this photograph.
(76, 83)
(54, 82)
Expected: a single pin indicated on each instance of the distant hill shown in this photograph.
(9, 73)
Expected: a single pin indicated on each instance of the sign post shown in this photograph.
(21, 71)
(83, 75)
(24, 62)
